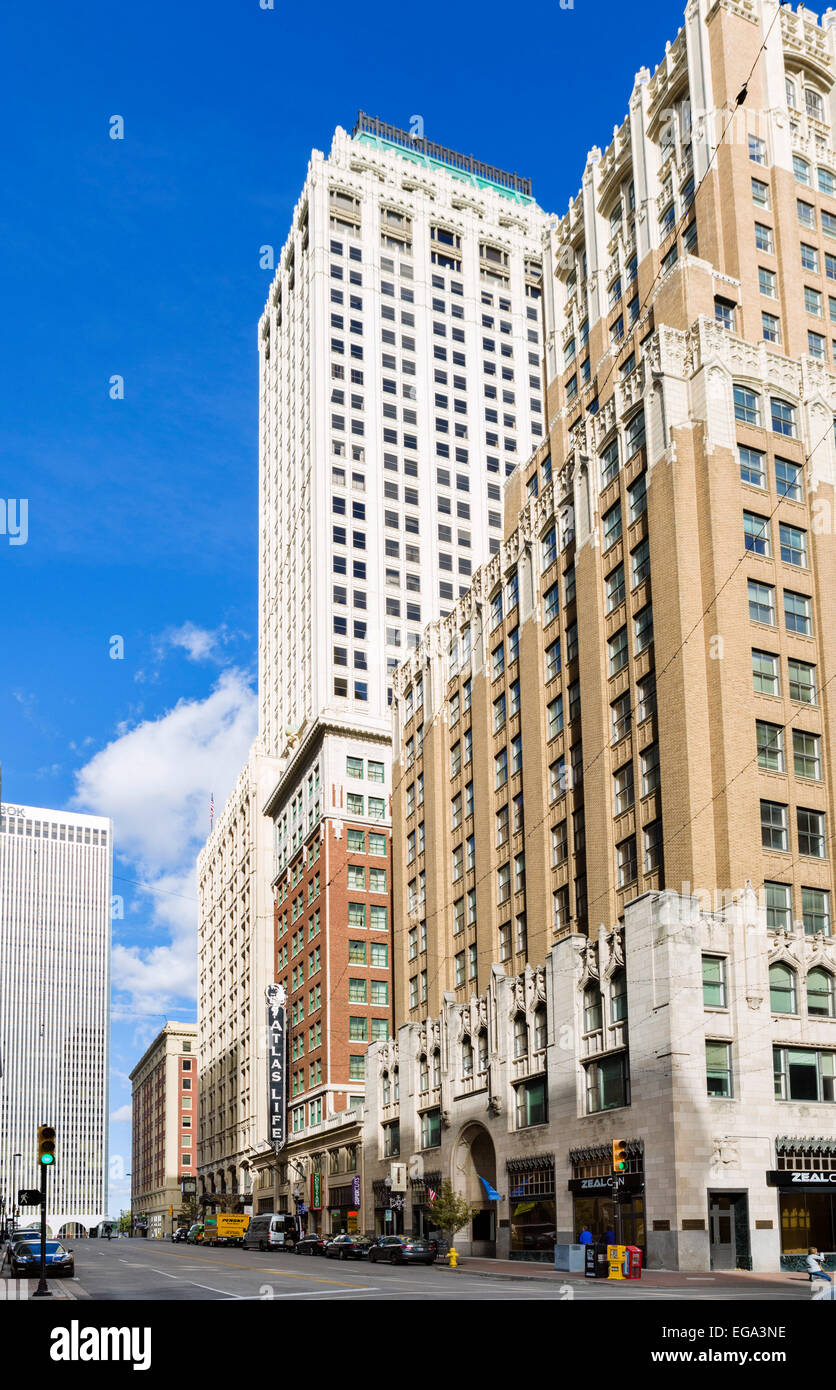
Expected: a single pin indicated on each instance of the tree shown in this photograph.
(450, 1212)
(223, 1201)
(124, 1223)
(188, 1212)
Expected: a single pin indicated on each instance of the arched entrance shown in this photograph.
(72, 1230)
(474, 1158)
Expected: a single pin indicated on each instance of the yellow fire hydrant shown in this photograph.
(453, 1258)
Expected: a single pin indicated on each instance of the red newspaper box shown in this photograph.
(632, 1262)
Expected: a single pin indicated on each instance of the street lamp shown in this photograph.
(15, 1209)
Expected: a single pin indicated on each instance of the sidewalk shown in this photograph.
(21, 1290)
(655, 1278)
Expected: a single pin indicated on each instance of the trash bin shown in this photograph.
(632, 1262)
(595, 1266)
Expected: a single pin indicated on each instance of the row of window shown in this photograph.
(801, 675)
(800, 1073)
(806, 749)
(810, 828)
(757, 539)
(748, 409)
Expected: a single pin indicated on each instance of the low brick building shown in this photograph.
(164, 1127)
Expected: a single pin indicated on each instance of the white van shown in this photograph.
(272, 1230)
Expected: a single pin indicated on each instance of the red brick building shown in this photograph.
(164, 1127)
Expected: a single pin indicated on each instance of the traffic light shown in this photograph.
(619, 1155)
(46, 1146)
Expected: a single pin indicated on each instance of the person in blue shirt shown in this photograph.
(586, 1237)
(815, 1263)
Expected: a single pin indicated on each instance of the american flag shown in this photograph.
(211, 809)
(432, 1194)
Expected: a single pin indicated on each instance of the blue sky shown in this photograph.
(140, 258)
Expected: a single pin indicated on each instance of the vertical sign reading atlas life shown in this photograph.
(276, 1109)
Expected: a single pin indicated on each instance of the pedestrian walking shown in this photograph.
(815, 1266)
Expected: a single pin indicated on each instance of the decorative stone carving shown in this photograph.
(590, 972)
(614, 941)
(726, 1154)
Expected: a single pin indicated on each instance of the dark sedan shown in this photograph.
(24, 1234)
(310, 1245)
(26, 1258)
(402, 1250)
(347, 1248)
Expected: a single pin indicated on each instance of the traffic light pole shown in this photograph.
(42, 1291)
(616, 1201)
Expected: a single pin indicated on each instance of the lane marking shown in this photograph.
(226, 1293)
(261, 1269)
(316, 1293)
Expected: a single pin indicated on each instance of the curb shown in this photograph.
(489, 1274)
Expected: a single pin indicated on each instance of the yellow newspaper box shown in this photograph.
(616, 1255)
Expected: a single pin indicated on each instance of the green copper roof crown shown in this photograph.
(368, 130)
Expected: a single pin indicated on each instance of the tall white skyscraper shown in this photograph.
(400, 383)
(55, 915)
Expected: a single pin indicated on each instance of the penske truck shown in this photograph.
(226, 1228)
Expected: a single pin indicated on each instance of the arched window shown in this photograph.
(436, 1068)
(424, 1069)
(591, 1009)
(814, 104)
(520, 1036)
(747, 406)
(482, 1043)
(396, 1085)
(619, 996)
(386, 1088)
(540, 1028)
(782, 989)
(467, 1057)
(820, 993)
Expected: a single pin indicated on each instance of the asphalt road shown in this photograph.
(157, 1270)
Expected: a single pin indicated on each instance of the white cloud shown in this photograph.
(199, 643)
(155, 781)
(122, 1116)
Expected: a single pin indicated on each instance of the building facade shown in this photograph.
(634, 694)
(400, 381)
(702, 1039)
(235, 965)
(318, 1176)
(55, 906)
(333, 921)
(164, 1094)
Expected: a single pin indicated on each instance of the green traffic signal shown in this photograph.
(46, 1145)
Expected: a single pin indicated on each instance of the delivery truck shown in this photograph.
(226, 1228)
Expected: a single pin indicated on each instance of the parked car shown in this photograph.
(181, 1233)
(348, 1248)
(401, 1250)
(195, 1233)
(310, 1245)
(15, 1236)
(26, 1258)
